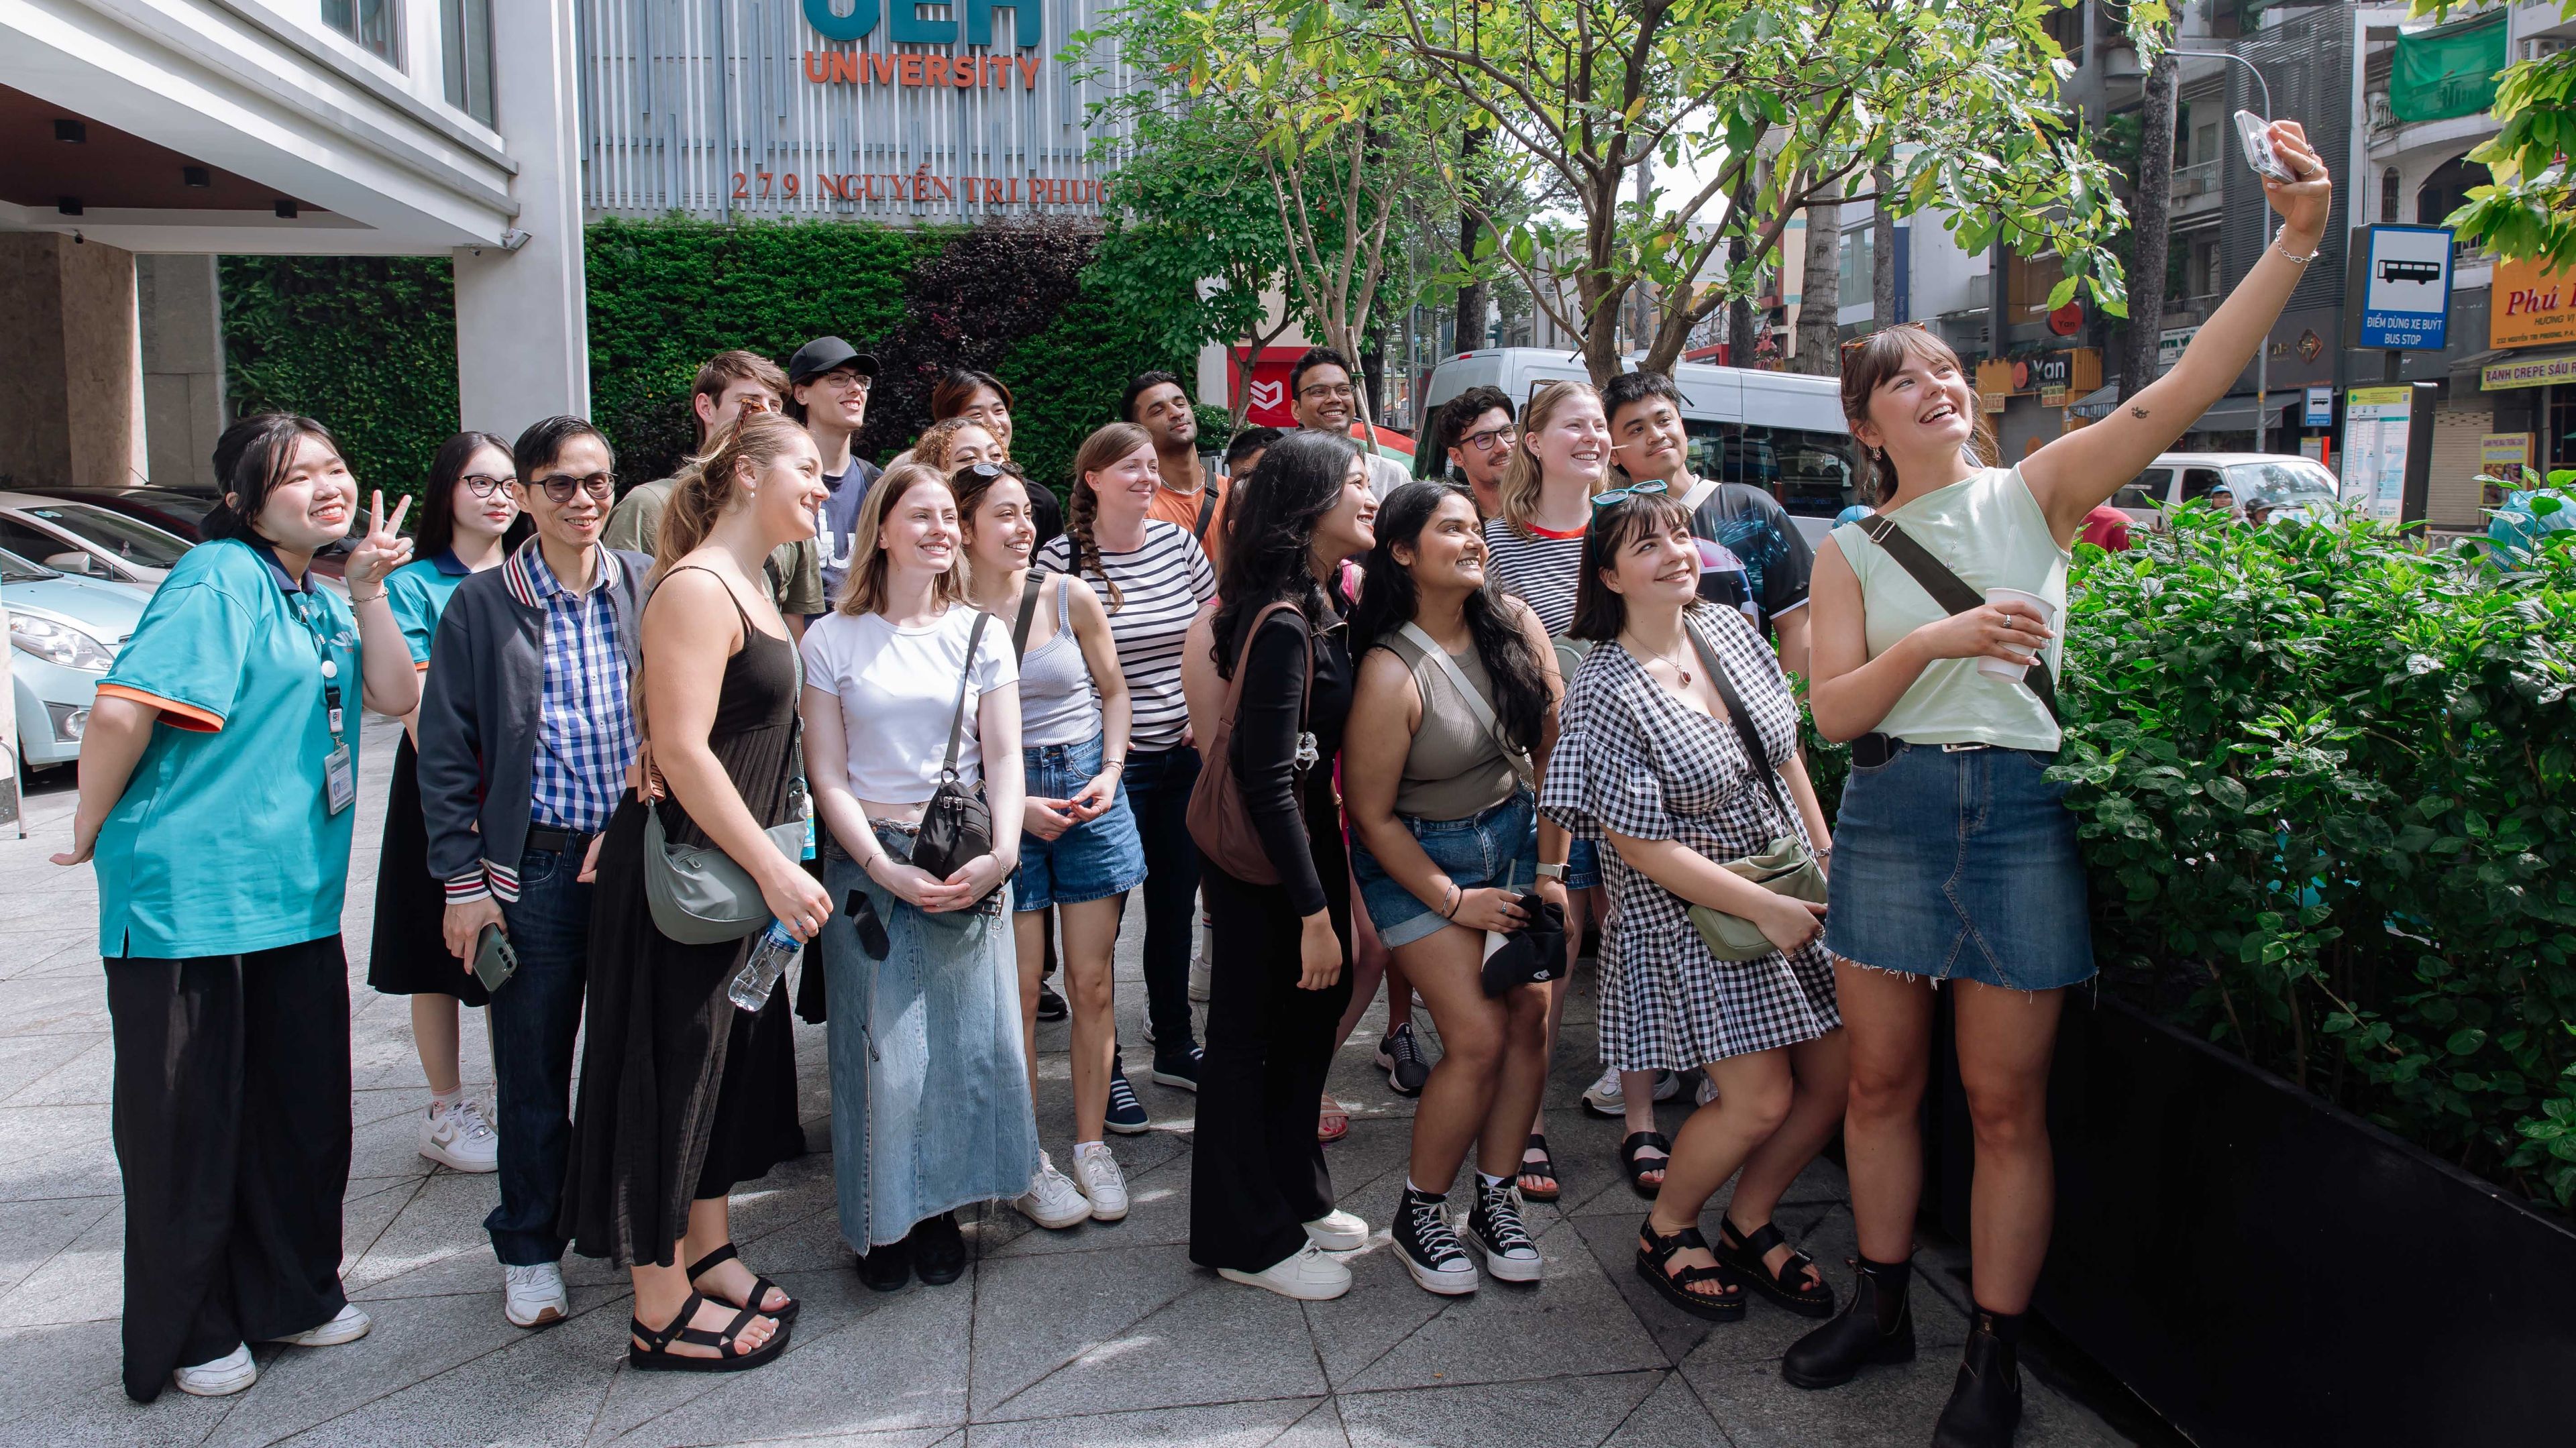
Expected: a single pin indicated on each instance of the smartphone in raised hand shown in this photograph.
(2256, 135)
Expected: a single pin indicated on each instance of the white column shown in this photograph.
(522, 326)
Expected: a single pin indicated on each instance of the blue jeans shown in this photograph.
(1494, 848)
(1158, 783)
(1094, 860)
(534, 1017)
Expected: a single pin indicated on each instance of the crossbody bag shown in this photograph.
(1786, 867)
(957, 823)
(1218, 822)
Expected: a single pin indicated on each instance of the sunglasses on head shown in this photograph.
(1652, 487)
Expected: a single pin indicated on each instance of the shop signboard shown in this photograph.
(2538, 372)
(2169, 345)
(2530, 306)
(2504, 454)
(2376, 423)
(2405, 288)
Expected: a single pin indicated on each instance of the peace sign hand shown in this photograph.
(383, 550)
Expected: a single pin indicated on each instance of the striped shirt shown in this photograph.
(1540, 572)
(1160, 589)
(585, 731)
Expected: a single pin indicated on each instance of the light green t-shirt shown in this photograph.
(1991, 532)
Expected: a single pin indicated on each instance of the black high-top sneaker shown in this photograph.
(1430, 1245)
(1494, 1225)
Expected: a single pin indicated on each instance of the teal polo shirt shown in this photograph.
(418, 593)
(224, 842)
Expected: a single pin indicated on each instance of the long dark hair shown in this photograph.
(436, 532)
(252, 457)
(1270, 531)
(1389, 601)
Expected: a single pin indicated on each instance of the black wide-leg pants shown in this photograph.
(232, 1131)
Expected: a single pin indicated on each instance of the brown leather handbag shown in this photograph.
(1218, 822)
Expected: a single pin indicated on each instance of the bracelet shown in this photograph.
(869, 866)
(1456, 897)
(370, 598)
(1115, 766)
(2286, 254)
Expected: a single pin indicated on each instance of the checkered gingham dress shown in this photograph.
(1632, 758)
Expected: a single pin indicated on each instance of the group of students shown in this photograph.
(1592, 651)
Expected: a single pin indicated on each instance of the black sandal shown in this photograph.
(1790, 1286)
(1544, 1168)
(760, 1288)
(1636, 1169)
(655, 1356)
(1655, 1250)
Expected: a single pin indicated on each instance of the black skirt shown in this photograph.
(407, 955)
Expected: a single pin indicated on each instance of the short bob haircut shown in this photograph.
(1600, 611)
(252, 457)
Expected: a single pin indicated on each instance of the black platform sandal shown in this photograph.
(1628, 1149)
(761, 1287)
(655, 1356)
(1543, 1168)
(1654, 1254)
(1790, 1286)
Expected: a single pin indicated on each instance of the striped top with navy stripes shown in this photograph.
(1540, 572)
(1160, 588)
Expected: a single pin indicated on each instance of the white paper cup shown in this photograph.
(2047, 611)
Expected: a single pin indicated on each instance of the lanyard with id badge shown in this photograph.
(339, 773)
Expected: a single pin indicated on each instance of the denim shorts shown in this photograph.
(1582, 865)
(1960, 865)
(1497, 848)
(1092, 861)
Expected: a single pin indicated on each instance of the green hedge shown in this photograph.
(366, 344)
(2326, 776)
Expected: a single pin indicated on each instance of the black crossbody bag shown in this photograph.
(1955, 597)
(957, 824)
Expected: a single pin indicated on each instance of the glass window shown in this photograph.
(465, 50)
(31, 541)
(131, 539)
(14, 569)
(1810, 473)
(2146, 490)
(1858, 261)
(2196, 482)
(375, 25)
(2293, 482)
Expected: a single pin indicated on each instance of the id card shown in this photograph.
(339, 778)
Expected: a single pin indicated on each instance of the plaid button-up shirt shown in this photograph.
(585, 729)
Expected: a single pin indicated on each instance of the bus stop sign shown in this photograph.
(2405, 288)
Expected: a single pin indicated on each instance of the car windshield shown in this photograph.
(14, 569)
(2291, 483)
(131, 539)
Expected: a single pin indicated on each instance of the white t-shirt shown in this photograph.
(898, 690)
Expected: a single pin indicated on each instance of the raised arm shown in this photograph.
(2080, 471)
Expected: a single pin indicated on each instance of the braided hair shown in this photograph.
(1099, 452)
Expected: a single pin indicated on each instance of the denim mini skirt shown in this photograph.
(1093, 860)
(1960, 865)
(1496, 848)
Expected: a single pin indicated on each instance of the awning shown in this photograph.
(2239, 414)
(2097, 404)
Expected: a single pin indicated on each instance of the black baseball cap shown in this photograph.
(824, 354)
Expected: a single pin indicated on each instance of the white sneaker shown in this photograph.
(460, 1139)
(1096, 1173)
(1308, 1275)
(533, 1296)
(350, 1325)
(224, 1376)
(1603, 1097)
(1707, 1091)
(1052, 1199)
(1338, 1231)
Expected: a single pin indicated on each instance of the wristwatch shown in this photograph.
(1552, 872)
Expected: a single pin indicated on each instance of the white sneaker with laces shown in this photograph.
(1338, 1231)
(533, 1296)
(1603, 1097)
(223, 1377)
(460, 1139)
(349, 1325)
(1052, 1199)
(1308, 1275)
(1096, 1172)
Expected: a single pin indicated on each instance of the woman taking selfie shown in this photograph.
(467, 524)
(674, 1107)
(1261, 1208)
(930, 1090)
(1078, 848)
(1445, 847)
(1936, 653)
(1678, 749)
(216, 781)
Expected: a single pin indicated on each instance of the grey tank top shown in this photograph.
(1057, 702)
(1456, 767)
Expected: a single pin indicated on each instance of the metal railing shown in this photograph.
(2198, 179)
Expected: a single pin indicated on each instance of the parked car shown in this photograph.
(64, 632)
(168, 509)
(1779, 431)
(2259, 486)
(84, 538)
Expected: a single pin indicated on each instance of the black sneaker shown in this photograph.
(1399, 1055)
(1180, 1070)
(1126, 1114)
(1051, 1006)
(1430, 1245)
(938, 1250)
(1494, 1225)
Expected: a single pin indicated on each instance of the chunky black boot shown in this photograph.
(1985, 1406)
(1878, 1327)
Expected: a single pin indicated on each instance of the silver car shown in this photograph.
(64, 633)
(87, 540)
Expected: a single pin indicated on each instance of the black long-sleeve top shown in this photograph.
(1274, 709)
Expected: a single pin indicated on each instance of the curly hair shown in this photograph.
(936, 441)
(1099, 451)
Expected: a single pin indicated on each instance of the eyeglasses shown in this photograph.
(846, 382)
(1652, 487)
(1490, 439)
(560, 488)
(1323, 392)
(484, 485)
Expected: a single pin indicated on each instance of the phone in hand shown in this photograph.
(494, 961)
(2256, 134)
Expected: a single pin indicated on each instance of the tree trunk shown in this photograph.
(1470, 328)
(1739, 312)
(1882, 250)
(1820, 291)
(2150, 225)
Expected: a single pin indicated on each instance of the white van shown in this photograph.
(1779, 431)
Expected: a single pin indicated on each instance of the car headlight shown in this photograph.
(59, 643)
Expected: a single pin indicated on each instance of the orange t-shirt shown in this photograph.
(1183, 508)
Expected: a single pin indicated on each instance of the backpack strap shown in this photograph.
(1029, 591)
(1953, 594)
(1207, 509)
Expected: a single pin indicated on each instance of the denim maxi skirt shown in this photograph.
(1960, 865)
(930, 1099)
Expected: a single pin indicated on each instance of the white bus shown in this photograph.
(1779, 431)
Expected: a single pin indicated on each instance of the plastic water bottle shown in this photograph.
(770, 956)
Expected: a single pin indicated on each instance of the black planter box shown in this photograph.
(2263, 1268)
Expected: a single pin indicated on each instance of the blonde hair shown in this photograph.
(864, 591)
(709, 483)
(938, 438)
(1517, 489)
